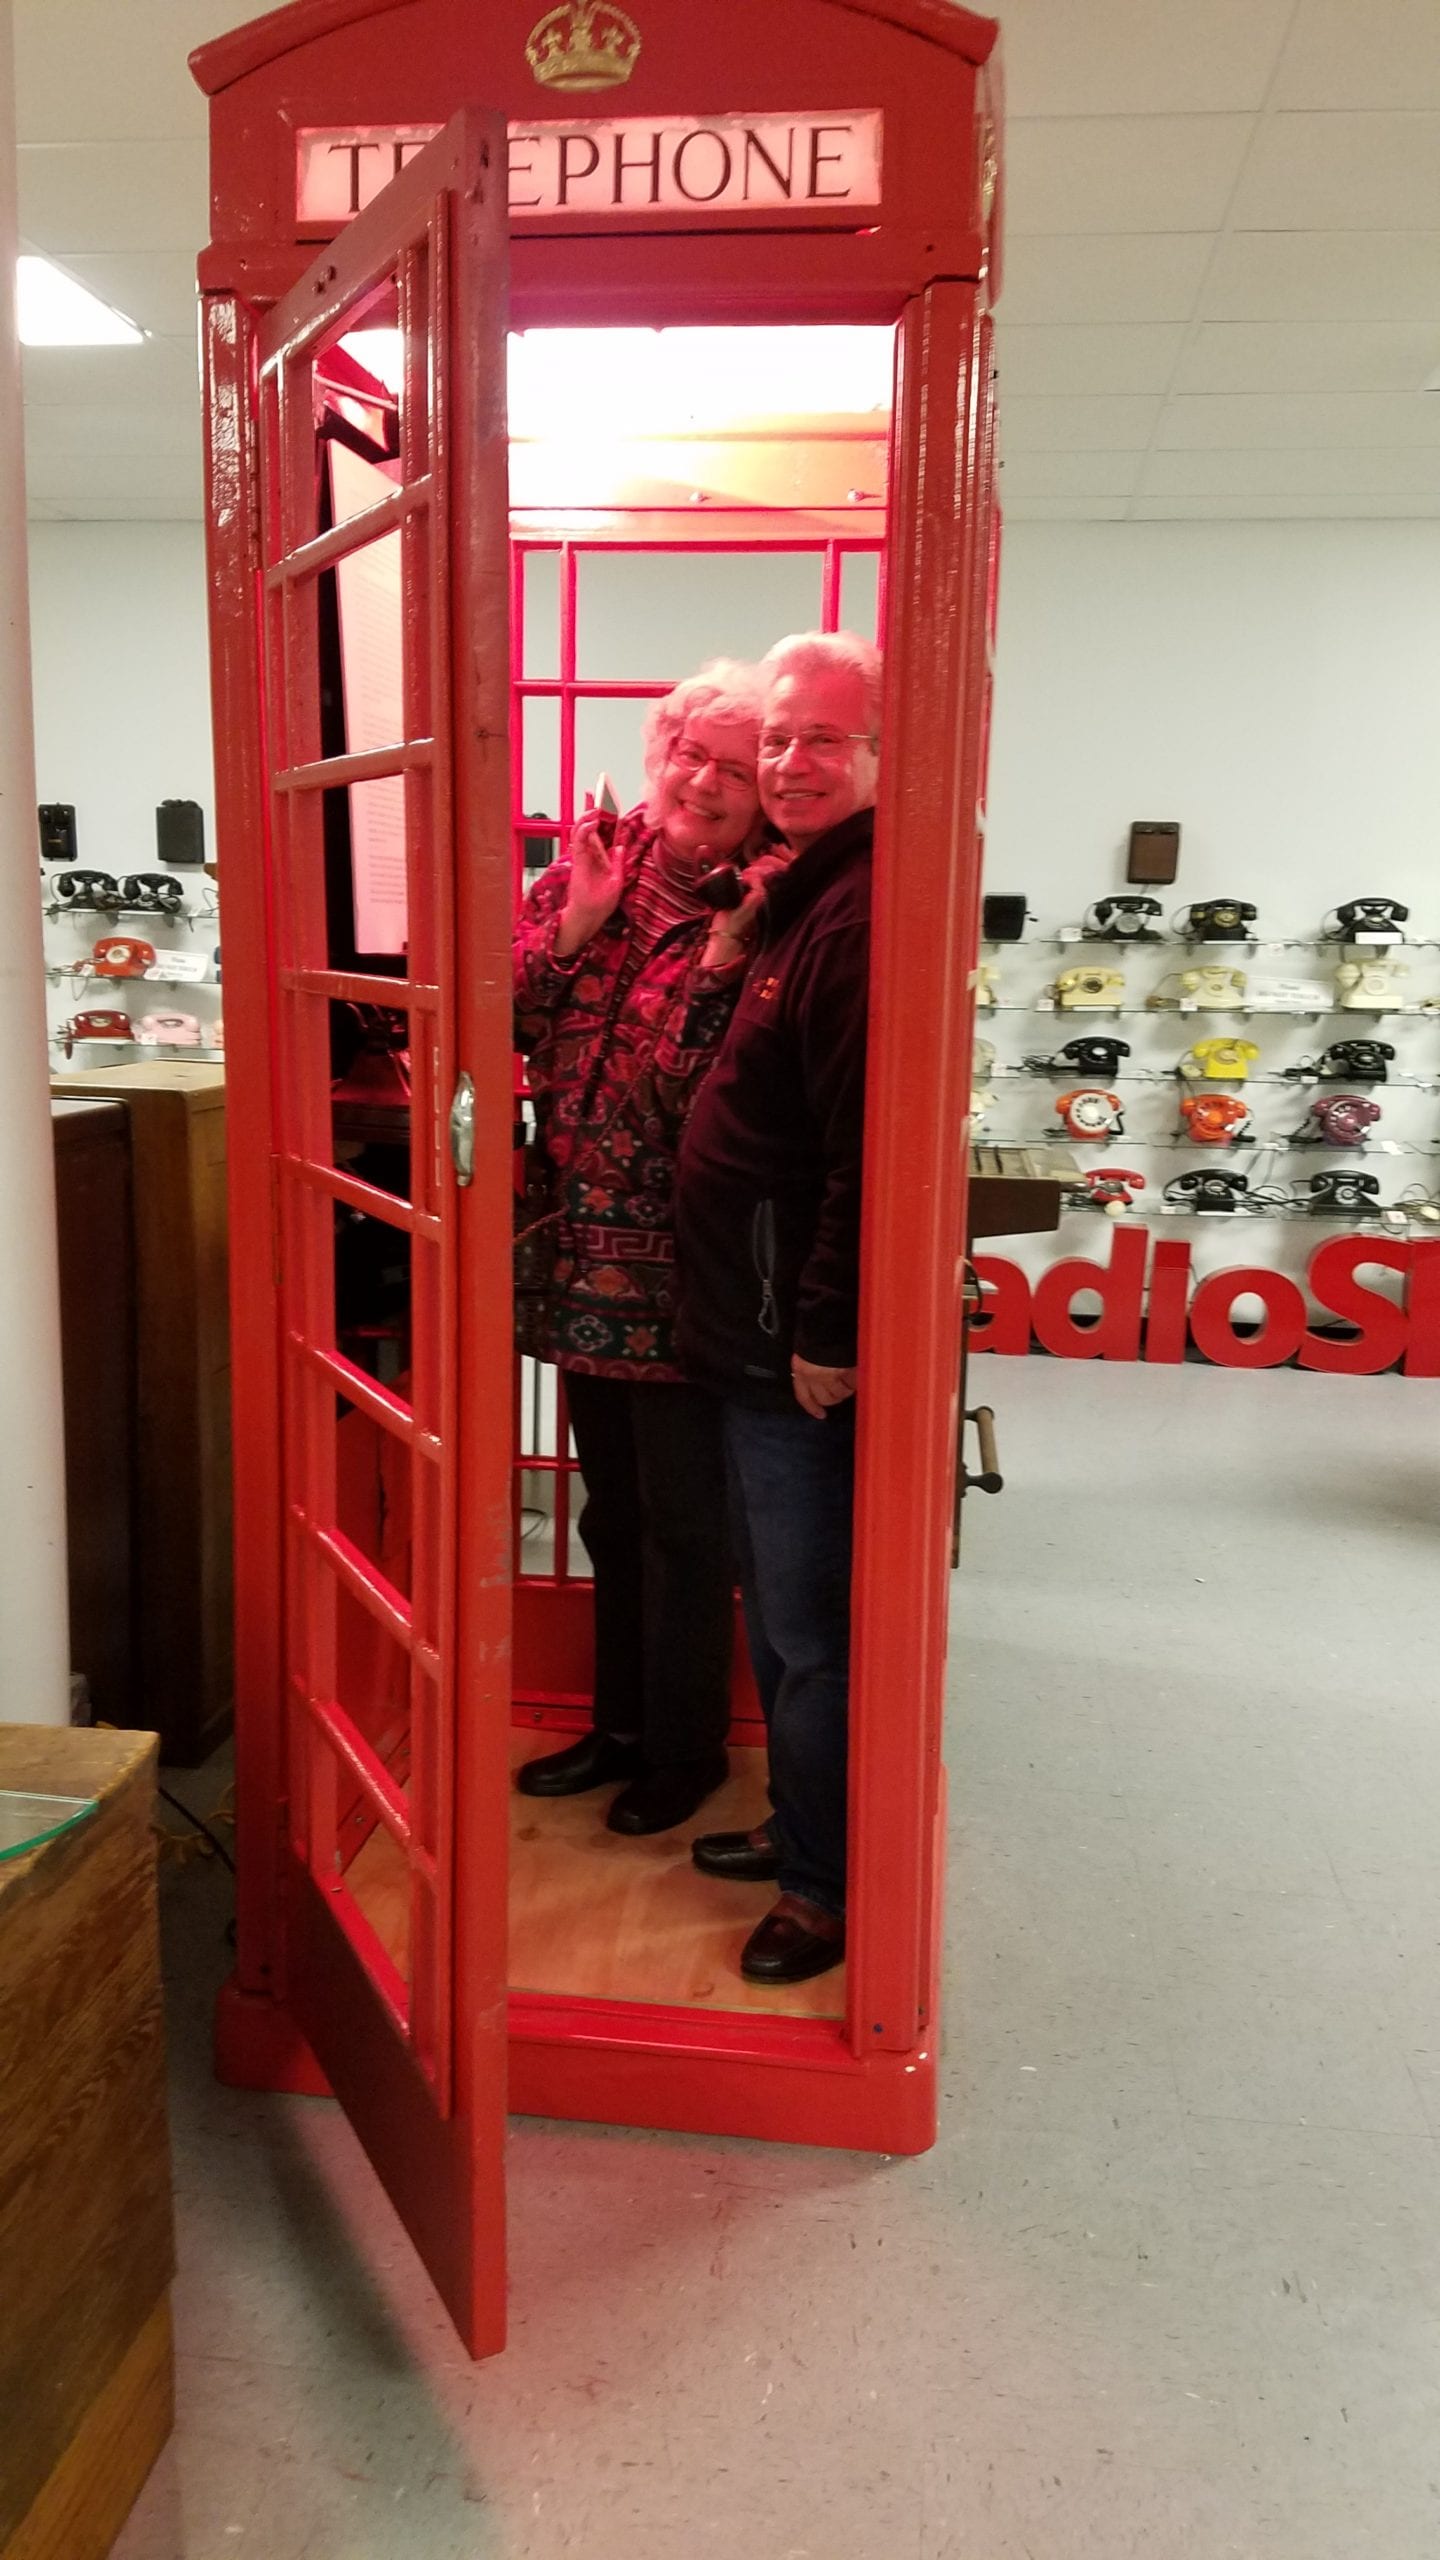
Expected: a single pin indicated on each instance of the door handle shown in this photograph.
(462, 1130)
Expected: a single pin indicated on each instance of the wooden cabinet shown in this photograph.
(97, 1332)
(183, 1576)
(86, 2235)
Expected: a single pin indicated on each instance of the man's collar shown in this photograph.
(807, 874)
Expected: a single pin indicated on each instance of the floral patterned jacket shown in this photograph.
(617, 1050)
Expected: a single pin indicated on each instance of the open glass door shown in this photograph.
(384, 547)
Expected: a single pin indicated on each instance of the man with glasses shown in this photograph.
(768, 1253)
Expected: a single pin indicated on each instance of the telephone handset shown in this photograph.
(1216, 1119)
(1090, 1115)
(1122, 919)
(1214, 988)
(1362, 1061)
(1373, 919)
(1216, 920)
(1207, 1190)
(82, 889)
(1232, 1058)
(604, 808)
(154, 893)
(122, 955)
(1329, 1191)
(1094, 1057)
(1077, 988)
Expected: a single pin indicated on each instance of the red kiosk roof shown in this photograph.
(247, 49)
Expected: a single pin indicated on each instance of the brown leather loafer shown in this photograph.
(794, 1941)
(741, 1857)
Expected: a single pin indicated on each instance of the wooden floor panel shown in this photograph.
(603, 1918)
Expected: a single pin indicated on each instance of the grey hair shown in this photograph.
(725, 689)
(814, 651)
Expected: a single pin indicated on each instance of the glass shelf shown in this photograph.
(147, 1048)
(85, 974)
(26, 1820)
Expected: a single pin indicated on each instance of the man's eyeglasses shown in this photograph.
(693, 759)
(827, 744)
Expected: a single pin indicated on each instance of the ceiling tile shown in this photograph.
(1341, 173)
(1121, 173)
(1117, 277)
(1308, 356)
(1105, 425)
(119, 195)
(1391, 472)
(155, 291)
(1386, 55)
(1301, 420)
(1077, 359)
(160, 370)
(1325, 275)
(1139, 57)
(1066, 475)
(113, 70)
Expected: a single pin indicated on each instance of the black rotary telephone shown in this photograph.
(1122, 919)
(96, 891)
(1373, 919)
(1216, 920)
(152, 893)
(1352, 1191)
(1345, 1062)
(1207, 1190)
(1097, 1057)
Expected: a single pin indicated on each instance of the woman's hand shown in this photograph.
(597, 877)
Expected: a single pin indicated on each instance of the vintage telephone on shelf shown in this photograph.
(1370, 986)
(1338, 1120)
(1216, 1119)
(1348, 1191)
(1216, 920)
(169, 1030)
(1090, 1114)
(82, 890)
(1363, 1061)
(1126, 918)
(1231, 1058)
(1093, 1057)
(1207, 1190)
(152, 893)
(1111, 1187)
(122, 955)
(1077, 988)
(96, 1025)
(1217, 989)
(1368, 919)
(986, 982)
(982, 1067)
(1004, 915)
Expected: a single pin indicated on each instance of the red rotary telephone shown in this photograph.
(1215, 1119)
(1088, 1114)
(121, 955)
(96, 1025)
(1112, 1187)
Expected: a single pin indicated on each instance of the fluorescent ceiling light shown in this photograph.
(55, 311)
(672, 381)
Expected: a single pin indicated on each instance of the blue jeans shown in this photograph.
(793, 1485)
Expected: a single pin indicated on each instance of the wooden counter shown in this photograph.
(86, 2239)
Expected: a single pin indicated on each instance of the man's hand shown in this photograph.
(733, 928)
(597, 876)
(817, 1389)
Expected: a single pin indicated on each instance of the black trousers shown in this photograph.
(655, 1529)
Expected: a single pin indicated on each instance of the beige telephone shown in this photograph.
(1369, 986)
(1075, 989)
(1230, 1059)
(982, 1067)
(986, 977)
(1218, 989)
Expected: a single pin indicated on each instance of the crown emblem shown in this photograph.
(587, 44)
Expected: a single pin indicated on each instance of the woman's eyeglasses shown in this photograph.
(827, 744)
(692, 759)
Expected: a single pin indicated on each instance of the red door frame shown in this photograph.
(872, 2084)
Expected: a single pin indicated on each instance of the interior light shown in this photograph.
(56, 311)
(666, 382)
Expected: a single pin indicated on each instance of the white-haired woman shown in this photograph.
(625, 979)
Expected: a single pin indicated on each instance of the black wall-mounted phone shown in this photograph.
(1154, 854)
(180, 833)
(1123, 919)
(1003, 917)
(1208, 1190)
(1376, 918)
(1342, 1191)
(57, 831)
(1216, 920)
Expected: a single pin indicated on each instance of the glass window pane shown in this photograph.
(542, 613)
(660, 614)
(860, 593)
(540, 779)
(608, 739)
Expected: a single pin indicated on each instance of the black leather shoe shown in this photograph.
(594, 1761)
(658, 1800)
(742, 1857)
(794, 1941)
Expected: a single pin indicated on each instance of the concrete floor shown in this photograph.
(1170, 2284)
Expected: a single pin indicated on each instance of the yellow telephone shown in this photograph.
(1232, 1059)
(1075, 989)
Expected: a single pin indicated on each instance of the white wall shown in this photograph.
(1275, 688)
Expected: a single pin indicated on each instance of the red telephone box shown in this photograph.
(421, 176)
